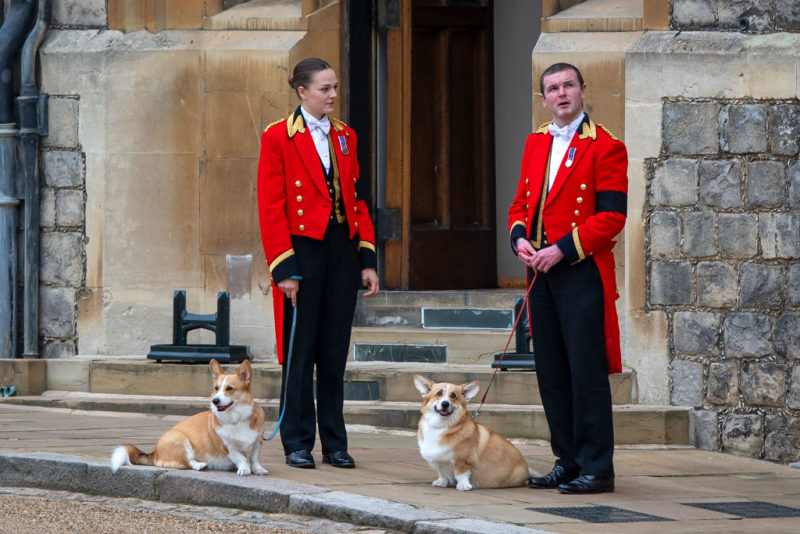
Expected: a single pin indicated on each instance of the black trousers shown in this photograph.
(325, 305)
(566, 306)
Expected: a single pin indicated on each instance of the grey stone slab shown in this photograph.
(761, 285)
(473, 318)
(721, 183)
(63, 168)
(361, 510)
(471, 526)
(747, 335)
(67, 473)
(262, 493)
(738, 234)
(70, 208)
(793, 285)
(783, 438)
(675, 183)
(57, 311)
(665, 234)
(399, 352)
(784, 128)
(787, 335)
(704, 429)
(691, 128)
(723, 383)
(687, 383)
(764, 383)
(787, 15)
(696, 333)
(671, 282)
(779, 234)
(794, 186)
(758, 14)
(765, 186)
(717, 284)
(743, 128)
(693, 14)
(743, 434)
(793, 396)
(62, 257)
(699, 239)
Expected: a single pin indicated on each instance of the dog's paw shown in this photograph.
(198, 466)
(258, 470)
(440, 483)
(463, 486)
(243, 471)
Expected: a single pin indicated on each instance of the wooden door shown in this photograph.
(452, 234)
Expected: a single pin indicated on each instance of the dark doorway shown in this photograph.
(452, 236)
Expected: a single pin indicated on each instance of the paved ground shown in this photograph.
(659, 489)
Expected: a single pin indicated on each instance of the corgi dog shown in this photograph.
(464, 453)
(227, 435)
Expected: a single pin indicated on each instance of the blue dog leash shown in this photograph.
(288, 367)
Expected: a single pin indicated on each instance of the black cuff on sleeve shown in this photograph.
(517, 232)
(567, 246)
(285, 269)
(367, 258)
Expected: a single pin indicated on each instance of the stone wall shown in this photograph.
(723, 264)
(754, 16)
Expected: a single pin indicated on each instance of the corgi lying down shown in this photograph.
(464, 453)
(228, 435)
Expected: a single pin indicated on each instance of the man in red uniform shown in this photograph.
(570, 203)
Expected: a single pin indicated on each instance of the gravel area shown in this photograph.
(24, 510)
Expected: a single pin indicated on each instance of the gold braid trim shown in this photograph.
(606, 130)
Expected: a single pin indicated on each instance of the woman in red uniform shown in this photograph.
(320, 247)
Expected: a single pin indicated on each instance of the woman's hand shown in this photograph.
(369, 278)
(290, 287)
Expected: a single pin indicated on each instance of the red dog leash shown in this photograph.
(513, 330)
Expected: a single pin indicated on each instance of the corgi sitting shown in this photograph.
(227, 435)
(464, 453)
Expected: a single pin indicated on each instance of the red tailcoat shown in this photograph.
(293, 198)
(583, 211)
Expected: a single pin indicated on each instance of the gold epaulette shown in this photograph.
(588, 129)
(337, 124)
(294, 124)
(543, 127)
(606, 130)
(270, 125)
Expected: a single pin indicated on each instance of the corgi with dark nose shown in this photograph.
(464, 453)
(225, 437)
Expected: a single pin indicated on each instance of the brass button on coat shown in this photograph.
(577, 213)
(299, 198)
(579, 200)
(301, 227)
(300, 213)
(297, 183)
(583, 187)
(574, 225)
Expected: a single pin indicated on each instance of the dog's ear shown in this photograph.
(216, 369)
(245, 372)
(471, 389)
(423, 384)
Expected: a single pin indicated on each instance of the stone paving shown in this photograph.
(659, 489)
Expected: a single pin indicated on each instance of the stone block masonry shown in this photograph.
(723, 263)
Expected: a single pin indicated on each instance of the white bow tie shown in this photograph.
(555, 131)
(323, 125)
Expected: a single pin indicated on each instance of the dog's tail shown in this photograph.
(129, 455)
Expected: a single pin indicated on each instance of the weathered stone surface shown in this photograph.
(464, 525)
(747, 335)
(717, 284)
(782, 442)
(62, 258)
(665, 234)
(670, 282)
(779, 234)
(57, 312)
(793, 396)
(738, 234)
(687, 383)
(675, 183)
(787, 15)
(723, 383)
(794, 186)
(696, 333)
(47, 207)
(761, 285)
(743, 128)
(70, 208)
(764, 384)
(787, 335)
(793, 285)
(58, 349)
(89, 13)
(63, 123)
(743, 434)
(693, 14)
(759, 16)
(705, 430)
(699, 238)
(720, 183)
(784, 129)
(63, 168)
(691, 127)
(765, 186)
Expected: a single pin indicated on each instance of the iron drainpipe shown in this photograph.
(32, 124)
(11, 34)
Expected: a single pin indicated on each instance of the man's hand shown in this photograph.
(290, 287)
(369, 278)
(525, 251)
(544, 259)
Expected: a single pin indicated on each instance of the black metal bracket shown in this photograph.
(522, 359)
(184, 322)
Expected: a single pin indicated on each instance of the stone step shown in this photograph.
(367, 381)
(286, 15)
(633, 424)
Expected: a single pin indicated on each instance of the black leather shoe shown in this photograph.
(338, 459)
(302, 459)
(559, 475)
(588, 484)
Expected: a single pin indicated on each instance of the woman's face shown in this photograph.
(320, 95)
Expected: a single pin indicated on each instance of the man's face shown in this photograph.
(563, 96)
